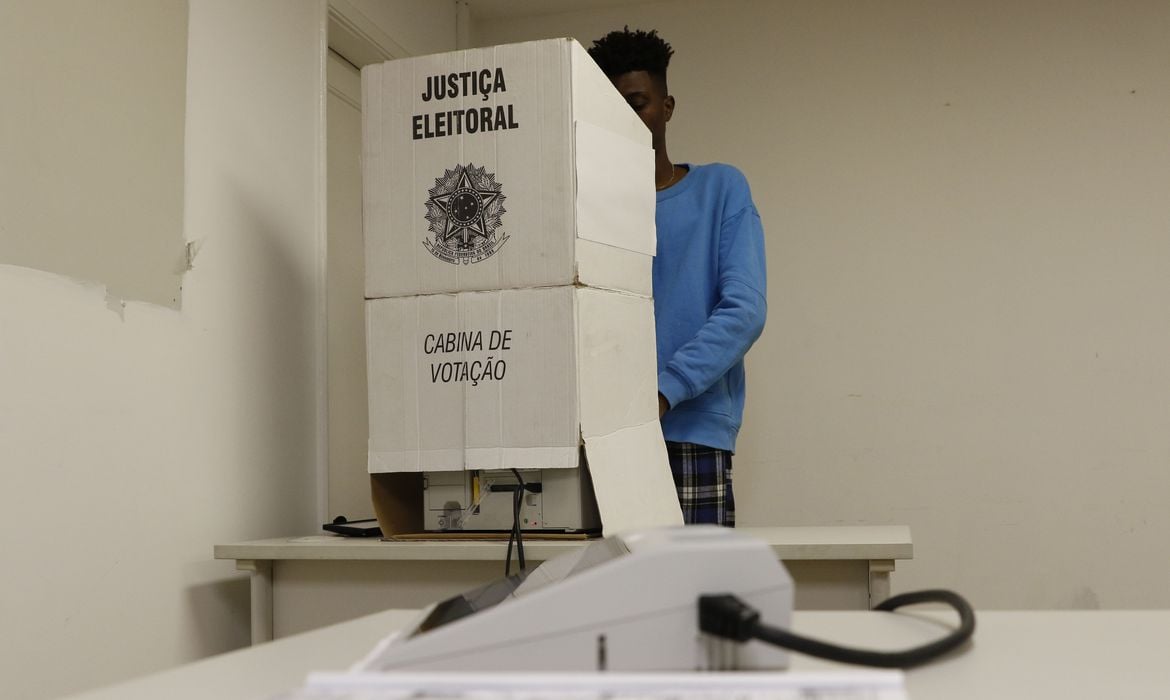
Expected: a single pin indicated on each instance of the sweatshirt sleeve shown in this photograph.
(736, 320)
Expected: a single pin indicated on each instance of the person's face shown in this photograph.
(647, 97)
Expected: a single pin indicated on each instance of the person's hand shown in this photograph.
(663, 406)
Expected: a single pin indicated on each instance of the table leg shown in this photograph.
(879, 580)
(261, 597)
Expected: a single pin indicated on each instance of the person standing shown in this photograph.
(710, 286)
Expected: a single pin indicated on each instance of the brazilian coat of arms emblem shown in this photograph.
(465, 210)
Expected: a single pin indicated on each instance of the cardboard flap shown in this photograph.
(632, 480)
(615, 193)
(398, 502)
(613, 269)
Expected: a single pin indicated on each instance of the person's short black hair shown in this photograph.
(625, 51)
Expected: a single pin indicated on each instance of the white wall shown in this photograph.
(126, 119)
(967, 232)
(418, 26)
(131, 446)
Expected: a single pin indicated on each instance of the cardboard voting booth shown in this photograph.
(509, 233)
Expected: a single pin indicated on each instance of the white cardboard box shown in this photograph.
(505, 167)
(523, 378)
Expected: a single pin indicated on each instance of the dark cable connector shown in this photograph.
(728, 617)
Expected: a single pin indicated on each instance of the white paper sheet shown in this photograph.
(807, 685)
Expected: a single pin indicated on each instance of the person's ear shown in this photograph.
(668, 107)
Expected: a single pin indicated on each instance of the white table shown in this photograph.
(1015, 654)
(302, 583)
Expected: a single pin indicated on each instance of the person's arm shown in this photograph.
(736, 321)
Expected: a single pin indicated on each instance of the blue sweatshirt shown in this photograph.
(710, 302)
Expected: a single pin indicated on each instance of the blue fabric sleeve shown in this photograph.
(737, 319)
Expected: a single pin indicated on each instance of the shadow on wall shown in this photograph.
(220, 615)
(265, 426)
(273, 344)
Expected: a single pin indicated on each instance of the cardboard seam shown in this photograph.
(612, 433)
(607, 290)
(576, 284)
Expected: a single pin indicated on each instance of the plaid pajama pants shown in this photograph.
(702, 476)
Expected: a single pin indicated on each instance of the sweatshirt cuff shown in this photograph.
(672, 387)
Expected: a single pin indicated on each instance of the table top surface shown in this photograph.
(1014, 654)
(828, 542)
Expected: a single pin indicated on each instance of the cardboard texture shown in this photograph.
(505, 379)
(486, 169)
(509, 230)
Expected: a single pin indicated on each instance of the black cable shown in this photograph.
(508, 556)
(516, 496)
(516, 534)
(729, 617)
(519, 501)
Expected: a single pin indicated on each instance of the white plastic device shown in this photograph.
(625, 603)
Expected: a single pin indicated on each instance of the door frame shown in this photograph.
(357, 39)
